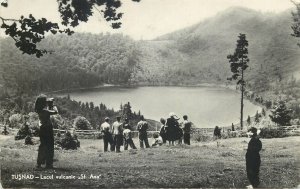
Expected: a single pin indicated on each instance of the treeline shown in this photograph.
(95, 114)
(80, 115)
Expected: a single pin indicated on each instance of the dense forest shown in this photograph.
(82, 60)
(190, 56)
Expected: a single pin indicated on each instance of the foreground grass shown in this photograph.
(198, 165)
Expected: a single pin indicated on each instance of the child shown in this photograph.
(128, 138)
(162, 132)
(158, 141)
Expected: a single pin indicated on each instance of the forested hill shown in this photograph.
(80, 60)
(190, 56)
(199, 53)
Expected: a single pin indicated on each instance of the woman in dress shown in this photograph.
(173, 131)
(44, 108)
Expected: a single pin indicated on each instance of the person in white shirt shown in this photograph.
(107, 136)
(117, 131)
(127, 136)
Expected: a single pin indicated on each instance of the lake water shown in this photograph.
(205, 106)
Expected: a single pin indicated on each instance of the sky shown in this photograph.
(147, 19)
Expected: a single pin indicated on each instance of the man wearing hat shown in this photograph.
(142, 127)
(107, 136)
(117, 131)
(253, 158)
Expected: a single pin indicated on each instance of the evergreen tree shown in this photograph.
(92, 106)
(256, 118)
(238, 64)
(248, 120)
(281, 115)
(87, 106)
(127, 110)
(263, 112)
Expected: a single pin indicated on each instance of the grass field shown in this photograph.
(199, 165)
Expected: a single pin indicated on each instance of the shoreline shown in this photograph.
(231, 87)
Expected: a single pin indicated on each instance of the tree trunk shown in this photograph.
(242, 94)
(242, 106)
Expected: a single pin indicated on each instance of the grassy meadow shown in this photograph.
(201, 165)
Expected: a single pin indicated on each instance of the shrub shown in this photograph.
(28, 140)
(81, 123)
(272, 133)
(200, 137)
(15, 121)
(23, 132)
(67, 141)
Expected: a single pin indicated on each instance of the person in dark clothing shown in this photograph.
(232, 127)
(174, 132)
(253, 158)
(162, 132)
(46, 148)
(142, 128)
(217, 135)
(186, 127)
(217, 132)
(107, 135)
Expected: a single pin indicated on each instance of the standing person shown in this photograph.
(142, 128)
(127, 136)
(162, 132)
(126, 124)
(186, 127)
(172, 127)
(46, 148)
(217, 135)
(107, 135)
(232, 127)
(253, 158)
(117, 131)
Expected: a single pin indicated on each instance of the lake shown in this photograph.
(205, 106)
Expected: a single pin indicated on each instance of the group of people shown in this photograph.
(171, 130)
(121, 133)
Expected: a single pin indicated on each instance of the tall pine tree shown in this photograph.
(238, 64)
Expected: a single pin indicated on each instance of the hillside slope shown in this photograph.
(199, 53)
